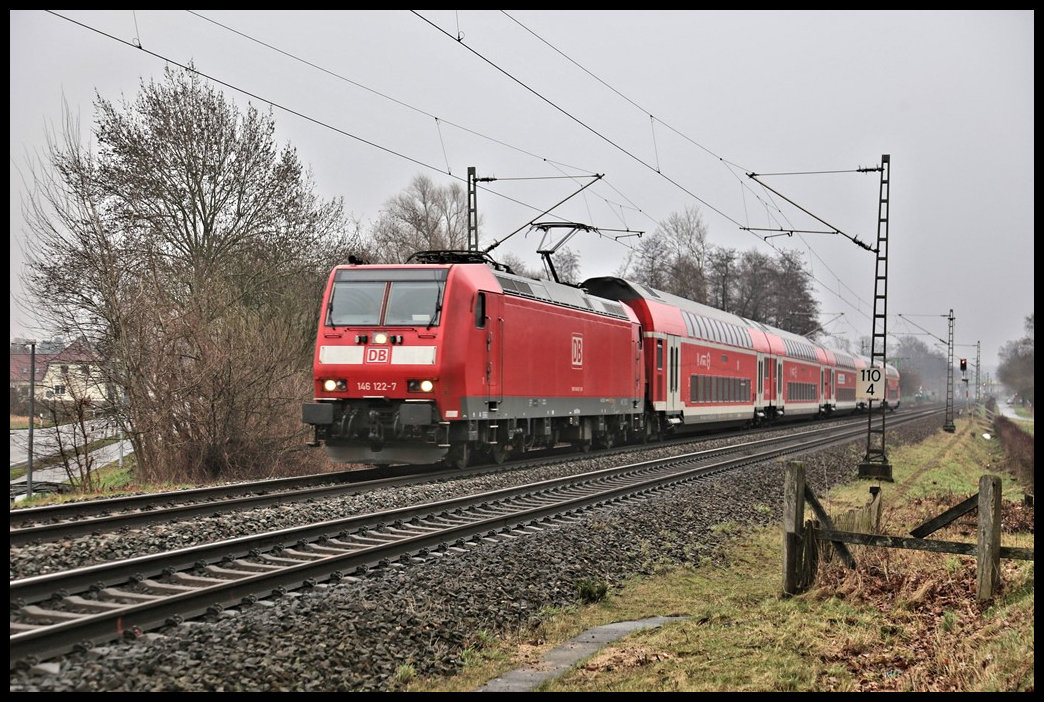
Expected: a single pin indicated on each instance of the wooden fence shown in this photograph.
(801, 539)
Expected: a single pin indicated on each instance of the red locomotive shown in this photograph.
(454, 357)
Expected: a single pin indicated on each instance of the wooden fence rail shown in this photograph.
(800, 559)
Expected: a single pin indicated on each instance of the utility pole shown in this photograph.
(948, 425)
(32, 417)
(978, 357)
(473, 218)
(875, 464)
(472, 210)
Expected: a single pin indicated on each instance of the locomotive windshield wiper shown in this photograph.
(438, 308)
(329, 313)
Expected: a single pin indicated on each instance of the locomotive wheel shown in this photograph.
(458, 456)
(498, 453)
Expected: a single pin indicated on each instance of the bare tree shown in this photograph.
(721, 271)
(424, 217)
(1016, 364)
(72, 415)
(687, 234)
(752, 290)
(190, 251)
(651, 264)
(673, 257)
(567, 266)
(791, 304)
(516, 265)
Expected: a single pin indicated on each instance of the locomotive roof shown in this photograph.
(559, 294)
(441, 262)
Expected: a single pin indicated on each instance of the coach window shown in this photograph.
(480, 311)
(659, 354)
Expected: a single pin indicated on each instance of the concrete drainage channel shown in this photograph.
(559, 660)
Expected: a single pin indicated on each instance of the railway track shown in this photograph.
(56, 613)
(72, 519)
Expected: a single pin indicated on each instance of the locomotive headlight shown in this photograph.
(331, 385)
(420, 385)
(380, 338)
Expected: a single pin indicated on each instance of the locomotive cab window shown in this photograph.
(356, 303)
(392, 297)
(413, 303)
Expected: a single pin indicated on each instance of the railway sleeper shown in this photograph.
(92, 605)
(328, 551)
(125, 597)
(43, 615)
(197, 580)
(255, 567)
(302, 555)
(228, 573)
(166, 588)
(349, 546)
(279, 560)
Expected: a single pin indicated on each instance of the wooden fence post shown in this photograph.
(875, 509)
(987, 556)
(793, 525)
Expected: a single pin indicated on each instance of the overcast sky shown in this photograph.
(674, 109)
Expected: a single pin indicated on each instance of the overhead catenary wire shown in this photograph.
(277, 105)
(574, 118)
(438, 122)
(789, 230)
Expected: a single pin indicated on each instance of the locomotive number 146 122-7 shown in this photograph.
(375, 386)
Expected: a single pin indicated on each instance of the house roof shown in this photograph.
(76, 352)
(20, 364)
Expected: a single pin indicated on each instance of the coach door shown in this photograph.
(781, 399)
(674, 399)
(759, 387)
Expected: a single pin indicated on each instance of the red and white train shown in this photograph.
(455, 358)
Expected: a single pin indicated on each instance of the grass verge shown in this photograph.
(901, 621)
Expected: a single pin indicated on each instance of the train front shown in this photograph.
(377, 365)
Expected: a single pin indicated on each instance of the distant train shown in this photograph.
(452, 357)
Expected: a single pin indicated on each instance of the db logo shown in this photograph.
(578, 351)
(378, 355)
